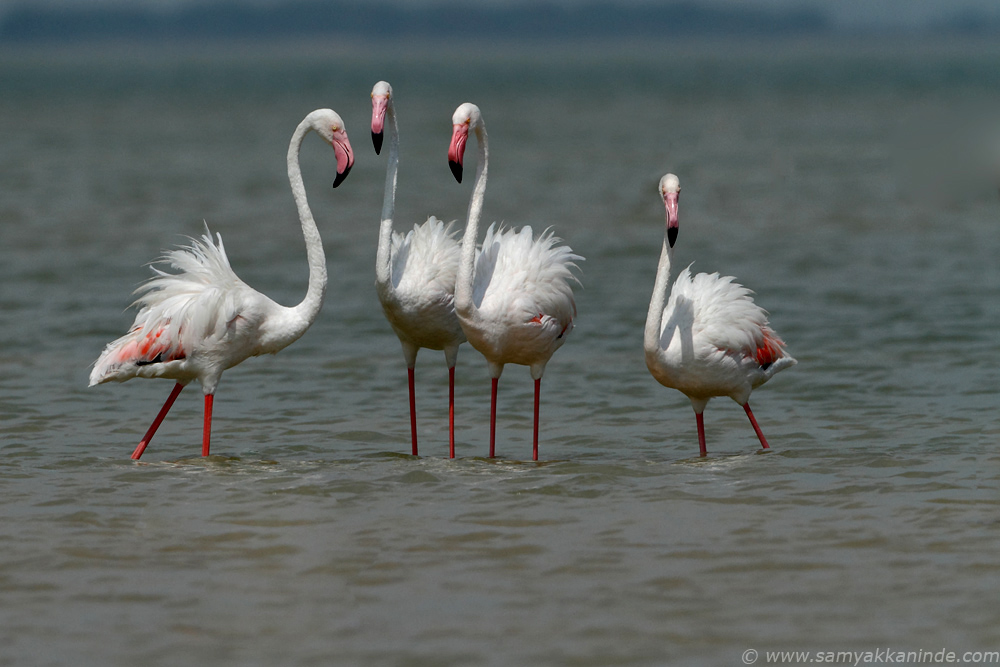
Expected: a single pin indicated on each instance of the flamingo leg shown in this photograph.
(756, 428)
(156, 422)
(493, 418)
(451, 412)
(700, 419)
(413, 410)
(534, 441)
(206, 436)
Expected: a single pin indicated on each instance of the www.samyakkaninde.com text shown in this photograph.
(882, 656)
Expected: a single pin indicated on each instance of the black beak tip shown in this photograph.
(672, 236)
(456, 170)
(377, 142)
(340, 177)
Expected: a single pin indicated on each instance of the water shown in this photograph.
(846, 185)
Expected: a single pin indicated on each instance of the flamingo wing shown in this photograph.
(125, 357)
(178, 313)
(421, 304)
(724, 317)
(426, 258)
(531, 278)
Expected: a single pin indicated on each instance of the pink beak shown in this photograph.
(456, 150)
(345, 156)
(380, 105)
(670, 200)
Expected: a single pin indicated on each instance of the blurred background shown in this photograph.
(840, 159)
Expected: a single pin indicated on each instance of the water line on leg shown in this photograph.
(207, 431)
(451, 412)
(534, 441)
(493, 418)
(413, 409)
(756, 428)
(156, 422)
(700, 419)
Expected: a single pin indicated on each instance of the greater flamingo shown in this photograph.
(514, 297)
(202, 320)
(710, 338)
(415, 274)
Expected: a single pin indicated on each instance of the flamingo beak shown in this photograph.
(380, 105)
(670, 200)
(456, 150)
(345, 155)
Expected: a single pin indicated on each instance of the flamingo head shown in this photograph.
(329, 125)
(466, 117)
(381, 97)
(670, 190)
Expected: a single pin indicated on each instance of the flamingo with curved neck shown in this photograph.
(202, 320)
(415, 274)
(514, 297)
(709, 338)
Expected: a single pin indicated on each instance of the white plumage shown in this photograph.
(709, 338)
(514, 297)
(193, 324)
(420, 300)
(415, 273)
(201, 319)
(522, 297)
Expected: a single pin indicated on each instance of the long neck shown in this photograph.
(308, 309)
(382, 260)
(463, 284)
(654, 317)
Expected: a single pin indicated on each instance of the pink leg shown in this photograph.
(534, 442)
(207, 433)
(493, 418)
(156, 422)
(753, 422)
(700, 418)
(451, 411)
(413, 410)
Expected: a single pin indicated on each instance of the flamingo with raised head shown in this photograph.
(196, 323)
(514, 298)
(710, 338)
(415, 274)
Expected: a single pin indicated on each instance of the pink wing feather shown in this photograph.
(177, 312)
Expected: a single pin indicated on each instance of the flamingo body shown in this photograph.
(730, 350)
(419, 299)
(523, 306)
(196, 323)
(201, 320)
(710, 338)
(415, 273)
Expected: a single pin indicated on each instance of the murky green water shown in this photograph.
(846, 187)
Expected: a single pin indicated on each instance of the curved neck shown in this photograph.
(308, 309)
(463, 284)
(654, 317)
(382, 261)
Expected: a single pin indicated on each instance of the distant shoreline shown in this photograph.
(385, 20)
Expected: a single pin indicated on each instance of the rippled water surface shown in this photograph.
(847, 186)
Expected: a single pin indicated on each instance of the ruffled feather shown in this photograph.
(426, 256)
(721, 314)
(177, 311)
(516, 272)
